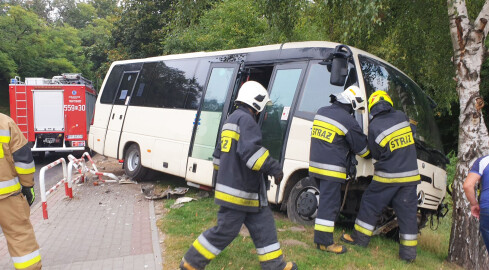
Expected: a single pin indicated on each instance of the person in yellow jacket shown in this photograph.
(16, 195)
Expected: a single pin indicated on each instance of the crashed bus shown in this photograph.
(165, 113)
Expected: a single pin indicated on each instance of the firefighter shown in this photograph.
(395, 179)
(240, 190)
(16, 195)
(335, 133)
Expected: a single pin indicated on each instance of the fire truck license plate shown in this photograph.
(72, 108)
(77, 143)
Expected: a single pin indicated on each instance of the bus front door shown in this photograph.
(212, 113)
(116, 119)
(275, 125)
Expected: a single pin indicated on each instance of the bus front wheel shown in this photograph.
(303, 201)
(132, 163)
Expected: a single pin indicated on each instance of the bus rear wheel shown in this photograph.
(132, 163)
(302, 205)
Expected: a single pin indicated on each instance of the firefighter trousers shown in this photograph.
(261, 226)
(17, 228)
(329, 206)
(405, 203)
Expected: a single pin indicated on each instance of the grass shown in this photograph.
(183, 225)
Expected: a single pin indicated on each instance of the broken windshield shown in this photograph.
(408, 97)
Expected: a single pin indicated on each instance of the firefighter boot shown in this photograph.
(347, 239)
(355, 239)
(333, 248)
(184, 265)
(290, 266)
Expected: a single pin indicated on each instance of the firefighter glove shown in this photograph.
(29, 194)
(278, 177)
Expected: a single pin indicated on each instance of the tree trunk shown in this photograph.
(466, 246)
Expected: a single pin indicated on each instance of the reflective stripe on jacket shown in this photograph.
(16, 162)
(242, 161)
(391, 142)
(334, 133)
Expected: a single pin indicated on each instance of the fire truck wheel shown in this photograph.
(132, 163)
(303, 201)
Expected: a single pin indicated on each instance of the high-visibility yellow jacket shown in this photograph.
(334, 133)
(242, 161)
(391, 140)
(16, 162)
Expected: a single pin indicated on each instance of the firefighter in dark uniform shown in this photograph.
(241, 189)
(395, 179)
(16, 185)
(335, 133)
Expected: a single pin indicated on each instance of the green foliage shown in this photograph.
(7, 66)
(138, 32)
(451, 167)
(229, 24)
(282, 17)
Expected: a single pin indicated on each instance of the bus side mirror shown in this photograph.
(339, 71)
(337, 64)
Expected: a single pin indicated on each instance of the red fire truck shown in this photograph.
(54, 114)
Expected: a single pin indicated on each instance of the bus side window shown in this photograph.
(317, 89)
(172, 81)
(143, 85)
(110, 88)
(126, 86)
(197, 85)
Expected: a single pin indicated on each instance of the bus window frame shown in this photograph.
(304, 65)
(237, 67)
(129, 93)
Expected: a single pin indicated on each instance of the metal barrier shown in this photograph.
(86, 154)
(82, 168)
(80, 165)
(44, 194)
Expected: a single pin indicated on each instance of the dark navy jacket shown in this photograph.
(242, 161)
(391, 142)
(334, 133)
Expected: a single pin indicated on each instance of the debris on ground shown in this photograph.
(150, 192)
(203, 194)
(127, 181)
(179, 190)
(124, 179)
(180, 201)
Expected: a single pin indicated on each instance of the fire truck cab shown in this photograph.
(53, 114)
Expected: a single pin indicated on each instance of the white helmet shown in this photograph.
(254, 94)
(351, 96)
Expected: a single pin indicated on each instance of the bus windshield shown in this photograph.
(408, 97)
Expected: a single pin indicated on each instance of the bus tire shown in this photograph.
(303, 202)
(132, 163)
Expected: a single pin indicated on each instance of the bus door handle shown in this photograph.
(193, 168)
(113, 115)
(120, 117)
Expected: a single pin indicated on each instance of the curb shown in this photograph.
(154, 236)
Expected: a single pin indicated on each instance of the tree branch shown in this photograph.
(459, 23)
(481, 21)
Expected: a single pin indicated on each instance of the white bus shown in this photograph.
(165, 113)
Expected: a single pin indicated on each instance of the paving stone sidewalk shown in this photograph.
(111, 226)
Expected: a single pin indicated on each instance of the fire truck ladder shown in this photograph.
(21, 109)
